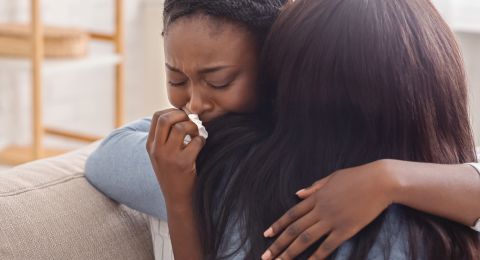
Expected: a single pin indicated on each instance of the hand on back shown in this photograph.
(334, 208)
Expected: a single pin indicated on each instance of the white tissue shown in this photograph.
(202, 131)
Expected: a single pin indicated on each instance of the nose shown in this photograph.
(199, 102)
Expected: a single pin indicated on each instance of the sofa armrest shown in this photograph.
(48, 210)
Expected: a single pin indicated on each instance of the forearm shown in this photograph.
(184, 233)
(121, 169)
(449, 191)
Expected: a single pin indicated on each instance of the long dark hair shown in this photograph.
(353, 81)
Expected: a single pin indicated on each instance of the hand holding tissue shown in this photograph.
(202, 131)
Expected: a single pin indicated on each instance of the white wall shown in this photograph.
(82, 99)
(463, 17)
(470, 45)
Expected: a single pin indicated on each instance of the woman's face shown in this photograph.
(211, 67)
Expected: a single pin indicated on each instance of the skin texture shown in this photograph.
(211, 67)
(211, 70)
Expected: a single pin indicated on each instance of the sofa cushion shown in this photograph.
(48, 210)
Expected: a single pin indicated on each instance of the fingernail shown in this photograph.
(268, 233)
(266, 255)
(300, 191)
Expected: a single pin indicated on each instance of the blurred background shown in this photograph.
(78, 92)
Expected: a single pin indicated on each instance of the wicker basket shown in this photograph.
(15, 41)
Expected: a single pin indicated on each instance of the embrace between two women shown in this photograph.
(337, 129)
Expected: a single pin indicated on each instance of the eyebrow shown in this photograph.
(202, 71)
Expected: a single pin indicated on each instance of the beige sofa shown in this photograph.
(48, 210)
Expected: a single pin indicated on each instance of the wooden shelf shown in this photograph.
(38, 66)
(51, 66)
(15, 155)
(72, 135)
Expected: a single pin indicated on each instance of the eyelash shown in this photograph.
(176, 84)
(211, 85)
(219, 87)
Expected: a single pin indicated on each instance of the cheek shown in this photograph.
(250, 101)
(239, 99)
(177, 97)
(245, 96)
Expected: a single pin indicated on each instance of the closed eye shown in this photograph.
(219, 85)
(176, 84)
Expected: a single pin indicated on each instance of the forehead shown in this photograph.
(207, 39)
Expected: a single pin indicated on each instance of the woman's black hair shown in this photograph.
(256, 15)
(353, 82)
